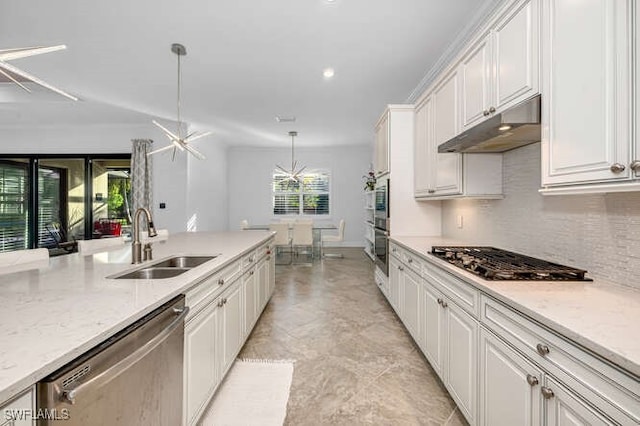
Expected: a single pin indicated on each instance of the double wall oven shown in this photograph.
(381, 225)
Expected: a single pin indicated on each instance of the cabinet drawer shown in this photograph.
(608, 388)
(249, 259)
(412, 261)
(263, 250)
(466, 296)
(207, 289)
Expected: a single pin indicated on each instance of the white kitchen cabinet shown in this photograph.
(449, 175)
(501, 69)
(564, 408)
(451, 346)
(446, 175)
(381, 154)
(250, 290)
(262, 270)
(395, 275)
(18, 412)
(411, 303)
(433, 328)
(461, 359)
(200, 353)
(587, 96)
(509, 385)
(230, 328)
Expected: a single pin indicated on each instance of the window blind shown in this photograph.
(309, 196)
(14, 206)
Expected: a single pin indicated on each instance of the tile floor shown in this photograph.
(355, 362)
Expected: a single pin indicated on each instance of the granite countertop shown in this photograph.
(54, 314)
(601, 316)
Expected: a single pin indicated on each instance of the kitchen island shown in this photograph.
(54, 314)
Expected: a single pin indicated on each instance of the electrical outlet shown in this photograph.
(460, 221)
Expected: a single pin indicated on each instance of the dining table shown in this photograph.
(317, 228)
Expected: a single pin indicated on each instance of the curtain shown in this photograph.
(141, 174)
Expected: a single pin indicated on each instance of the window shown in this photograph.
(308, 196)
(49, 199)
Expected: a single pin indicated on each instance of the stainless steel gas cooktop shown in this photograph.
(492, 263)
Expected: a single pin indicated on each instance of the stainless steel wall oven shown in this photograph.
(381, 225)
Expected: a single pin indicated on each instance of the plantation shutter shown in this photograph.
(309, 196)
(14, 206)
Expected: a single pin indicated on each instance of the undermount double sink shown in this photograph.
(168, 268)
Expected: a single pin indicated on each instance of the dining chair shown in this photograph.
(282, 239)
(244, 224)
(303, 237)
(337, 238)
(89, 247)
(23, 260)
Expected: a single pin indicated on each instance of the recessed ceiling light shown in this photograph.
(282, 119)
(330, 1)
(504, 128)
(328, 72)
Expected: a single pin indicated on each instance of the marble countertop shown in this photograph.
(53, 314)
(600, 316)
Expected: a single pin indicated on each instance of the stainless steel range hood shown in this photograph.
(518, 126)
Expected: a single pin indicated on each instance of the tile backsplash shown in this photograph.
(596, 232)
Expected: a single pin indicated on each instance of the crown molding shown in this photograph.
(473, 27)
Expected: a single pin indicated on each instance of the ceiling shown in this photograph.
(247, 61)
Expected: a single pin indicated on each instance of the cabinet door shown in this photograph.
(635, 163)
(382, 145)
(395, 275)
(200, 360)
(516, 55)
(16, 412)
(509, 385)
(564, 408)
(586, 86)
(447, 167)
(461, 376)
(433, 326)
(262, 283)
(232, 313)
(250, 300)
(476, 83)
(411, 304)
(423, 133)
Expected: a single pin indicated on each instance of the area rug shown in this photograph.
(255, 392)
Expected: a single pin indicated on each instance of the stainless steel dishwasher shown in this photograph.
(133, 378)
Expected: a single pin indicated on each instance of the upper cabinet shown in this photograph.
(382, 145)
(587, 100)
(501, 68)
(446, 175)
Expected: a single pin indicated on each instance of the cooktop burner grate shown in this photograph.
(496, 264)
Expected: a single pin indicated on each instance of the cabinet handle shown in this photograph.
(410, 260)
(542, 349)
(635, 165)
(547, 393)
(220, 303)
(444, 304)
(617, 168)
(401, 268)
(394, 250)
(224, 301)
(268, 257)
(492, 110)
(431, 191)
(485, 113)
(439, 301)
(251, 272)
(532, 380)
(221, 281)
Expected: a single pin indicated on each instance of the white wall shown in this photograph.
(596, 232)
(250, 173)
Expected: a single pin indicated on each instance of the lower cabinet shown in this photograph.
(509, 385)
(217, 329)
(564, 408)
(411, 302)
(19, 411)
(395, 274)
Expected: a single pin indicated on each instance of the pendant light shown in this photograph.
(292, 174)
(14, 74)
(178, 140)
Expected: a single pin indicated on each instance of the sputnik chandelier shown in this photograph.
(178, 140)
(292, 174)
(16, 74)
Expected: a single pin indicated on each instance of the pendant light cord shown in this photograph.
(178, 104)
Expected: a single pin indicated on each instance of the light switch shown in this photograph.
(460, 219)
(163, 205)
